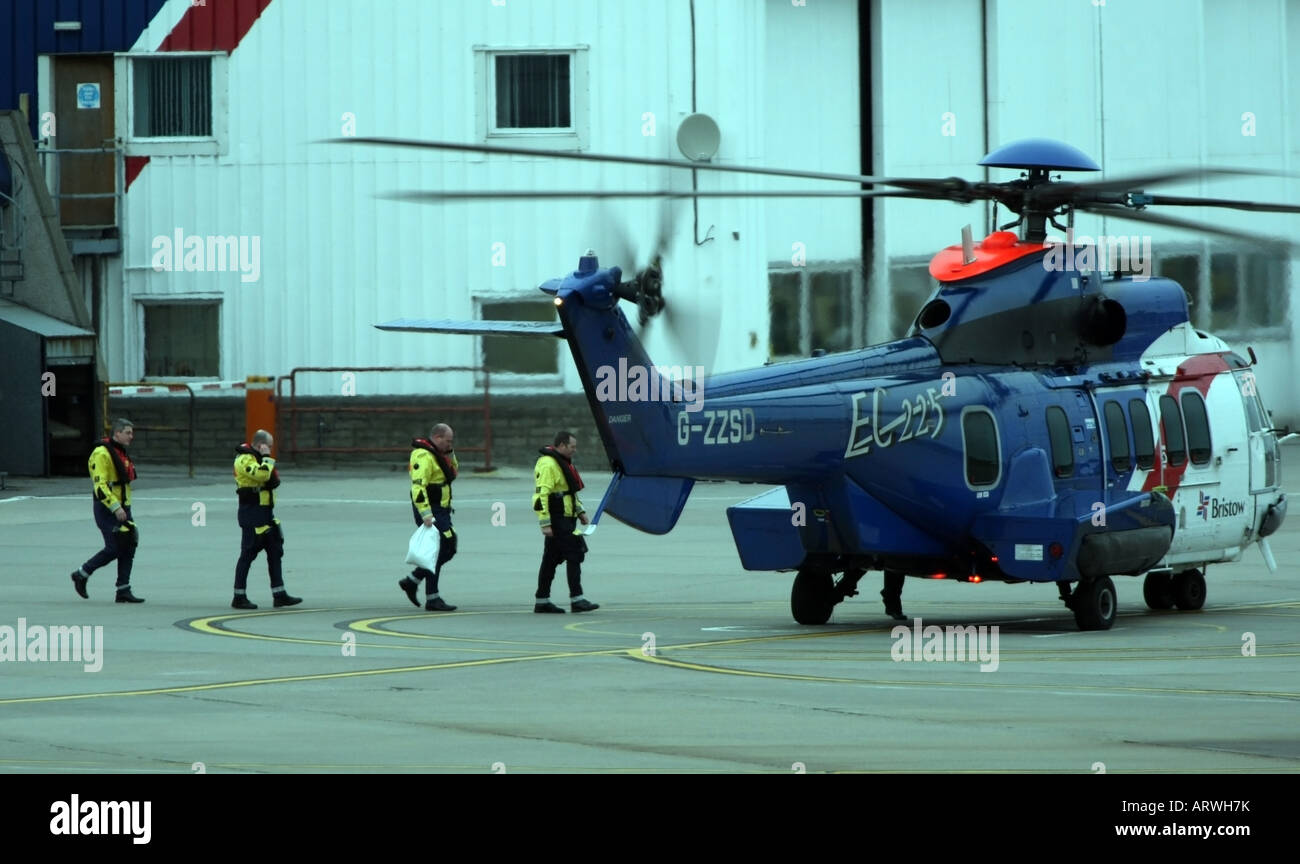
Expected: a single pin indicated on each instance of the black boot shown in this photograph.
(124, 595)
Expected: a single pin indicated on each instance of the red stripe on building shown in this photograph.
(1197, 372)
(217, 25)
(134, 165)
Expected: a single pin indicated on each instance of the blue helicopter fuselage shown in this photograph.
(985, 445)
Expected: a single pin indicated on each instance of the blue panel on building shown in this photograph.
(27, 31)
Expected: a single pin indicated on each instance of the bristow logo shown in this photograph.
(1083, 254)
(209, 253)
(1212, 508)
(38, 644)
(639, 383)
(936, 644)
(102, 817)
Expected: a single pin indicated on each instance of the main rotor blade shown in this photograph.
(547, 195)
(1137, 181)
(598, 157)
(1173, 222)
(1258, 206)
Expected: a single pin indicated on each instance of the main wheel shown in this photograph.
(1189, 590)
(813, 596)
(1094, 604)
(1158, 590)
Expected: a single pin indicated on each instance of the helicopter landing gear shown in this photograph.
(813, 596)
(1189, 590)
(1158, 590)
(1094, 603)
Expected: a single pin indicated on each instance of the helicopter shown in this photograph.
(1038, 423)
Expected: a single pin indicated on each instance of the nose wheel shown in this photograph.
(813, 596)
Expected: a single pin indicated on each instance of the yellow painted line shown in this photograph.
(329, 676)
(635, 653)
(373, 626)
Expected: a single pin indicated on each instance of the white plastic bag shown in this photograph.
(423, 549)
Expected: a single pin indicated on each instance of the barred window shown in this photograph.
(172, 97)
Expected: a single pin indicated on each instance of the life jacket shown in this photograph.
(572, 479)
(434, 490)
(122, 464)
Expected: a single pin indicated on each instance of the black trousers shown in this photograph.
(272, 542)
(446, 548)
(114, 547)
(562, 545)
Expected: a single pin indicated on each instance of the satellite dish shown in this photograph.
(698, 137)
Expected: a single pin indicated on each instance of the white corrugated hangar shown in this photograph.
(250, 245)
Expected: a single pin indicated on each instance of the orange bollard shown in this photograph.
(259, 408)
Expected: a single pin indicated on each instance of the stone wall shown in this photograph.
(520, 424)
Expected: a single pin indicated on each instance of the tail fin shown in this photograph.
(636, 403)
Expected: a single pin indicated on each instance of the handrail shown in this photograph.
(146, 388)
(54, 178)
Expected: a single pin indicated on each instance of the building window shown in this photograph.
(171, 97)
(1058, 433)
(181, 340)
(812, 308)
(520, 355)
(1231, 291)
(533, 91)
(980, 441)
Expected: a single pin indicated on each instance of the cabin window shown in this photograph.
(1171, 422)
(1144, 446)
(1058, 435)
(1198, 427)
(983, 455)
(1117, 438)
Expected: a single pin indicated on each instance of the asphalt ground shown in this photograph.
(691, 665)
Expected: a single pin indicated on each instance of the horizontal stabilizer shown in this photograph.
(650, 504)
(489, 328)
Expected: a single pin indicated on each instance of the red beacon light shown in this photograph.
(1056, 550)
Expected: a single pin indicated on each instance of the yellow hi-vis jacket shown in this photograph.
(550, 488)
(255, 484)
(108, 488)
(428, 481)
